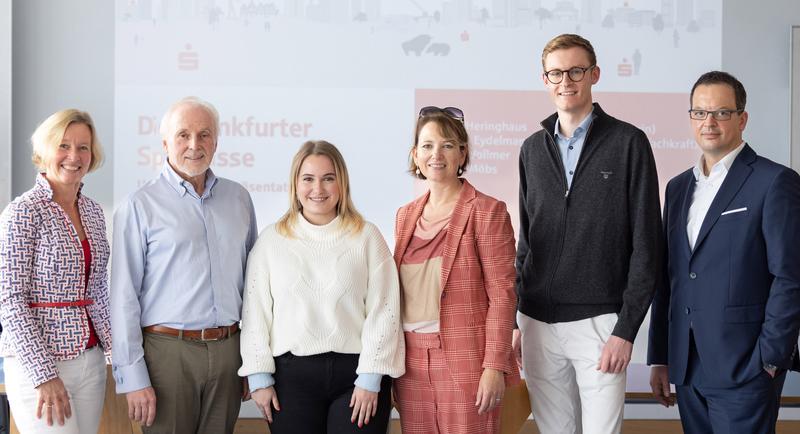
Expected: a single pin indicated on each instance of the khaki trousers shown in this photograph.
(196, 384)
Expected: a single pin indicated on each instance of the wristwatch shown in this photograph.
(771, 369)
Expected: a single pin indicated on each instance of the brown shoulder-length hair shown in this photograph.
(450, 128)
(49, 134)
(350, 219)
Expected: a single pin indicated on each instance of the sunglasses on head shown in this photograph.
(453, 112)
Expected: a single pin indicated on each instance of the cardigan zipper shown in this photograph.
(549, 287)
(562, 233)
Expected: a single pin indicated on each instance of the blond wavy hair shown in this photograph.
(350, 219)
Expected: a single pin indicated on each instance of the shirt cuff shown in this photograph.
(261, 380)
(369, 382)
(131, 378)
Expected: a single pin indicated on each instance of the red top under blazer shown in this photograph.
(478, 304)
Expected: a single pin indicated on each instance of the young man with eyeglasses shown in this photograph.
(588, 253)
(725, 322)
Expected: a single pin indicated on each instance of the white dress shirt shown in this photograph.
(706, 188)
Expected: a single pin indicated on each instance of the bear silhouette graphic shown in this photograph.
(438, 49)
(416, 44)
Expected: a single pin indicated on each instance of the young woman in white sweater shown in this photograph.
(321, 333)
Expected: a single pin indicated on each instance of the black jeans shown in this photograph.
(314, 394)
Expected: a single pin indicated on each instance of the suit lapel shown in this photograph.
(407, 226)
(684, 217)
(739, 171)
(455, 230)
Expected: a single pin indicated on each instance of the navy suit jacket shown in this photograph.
(739, 289)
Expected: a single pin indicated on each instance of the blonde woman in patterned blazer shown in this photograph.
(454, 247)
(53, 286)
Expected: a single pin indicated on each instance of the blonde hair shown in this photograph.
(49, 134)
(569, 40)
(350, 219)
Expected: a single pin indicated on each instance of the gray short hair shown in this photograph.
(191, 101)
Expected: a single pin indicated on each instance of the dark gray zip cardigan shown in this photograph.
(596, 248)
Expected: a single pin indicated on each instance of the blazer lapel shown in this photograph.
(455, 230)
(740, 170)
(684, 217)
(407, 226)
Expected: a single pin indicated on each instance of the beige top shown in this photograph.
(420, 276)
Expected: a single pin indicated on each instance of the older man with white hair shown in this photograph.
(179, 253)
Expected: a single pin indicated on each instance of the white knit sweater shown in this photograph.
(322, 291)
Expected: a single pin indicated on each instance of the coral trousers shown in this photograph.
(428, 399)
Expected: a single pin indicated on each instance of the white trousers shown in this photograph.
(85, 381)
(568, 394)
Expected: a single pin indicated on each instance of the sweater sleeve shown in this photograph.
(257, 314)
(382, 343)
(647, 239)
(658, 342)
(524, 222)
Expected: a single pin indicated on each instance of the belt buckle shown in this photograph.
(203, 334)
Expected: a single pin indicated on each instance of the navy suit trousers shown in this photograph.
(749, 408)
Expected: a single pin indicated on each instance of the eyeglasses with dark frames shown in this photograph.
(454, 112)
(575, 74)
(718, 115)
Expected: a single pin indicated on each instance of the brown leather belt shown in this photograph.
(210, 334)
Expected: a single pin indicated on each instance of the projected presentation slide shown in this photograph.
(356, 73)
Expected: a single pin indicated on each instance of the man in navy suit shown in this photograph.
(724, 324)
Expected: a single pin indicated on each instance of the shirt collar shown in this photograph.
(722, 166)
(43, 185)
(582, 127)
(182, 186)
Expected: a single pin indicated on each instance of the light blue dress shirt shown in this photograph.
(571, 147)
(178, 260)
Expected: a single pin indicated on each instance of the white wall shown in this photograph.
(755, 48)
(795, 97)
(63, 56)
(5, 102)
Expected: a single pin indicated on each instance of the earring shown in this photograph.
(418, 173)
(460, 171)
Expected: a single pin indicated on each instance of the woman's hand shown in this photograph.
(490, 390)
(364, 404)
(265, 400)
(53, 398)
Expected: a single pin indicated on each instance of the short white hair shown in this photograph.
(191, 101)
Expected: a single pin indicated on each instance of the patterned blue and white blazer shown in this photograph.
(41, 261)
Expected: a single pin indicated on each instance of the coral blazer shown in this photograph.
(478, 304)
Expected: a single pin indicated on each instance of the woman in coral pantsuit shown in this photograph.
(454, 248)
